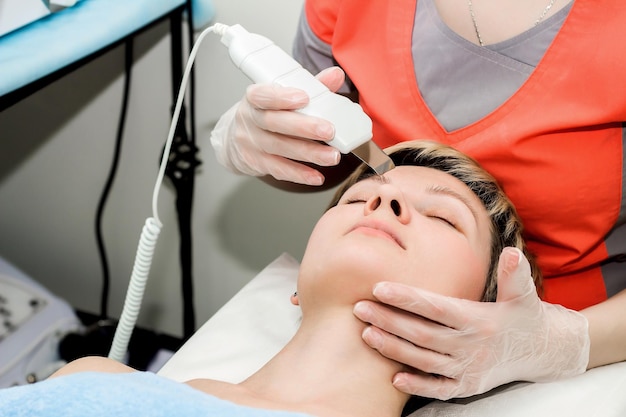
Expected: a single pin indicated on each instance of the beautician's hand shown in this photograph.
(477, 346)
(261, 135)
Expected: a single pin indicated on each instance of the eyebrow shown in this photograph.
(440, 189)
(379, 178)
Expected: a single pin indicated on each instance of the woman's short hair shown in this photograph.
(506, 226)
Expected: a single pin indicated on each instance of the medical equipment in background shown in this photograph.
(33, 322)
(17, 13)
(263, 62)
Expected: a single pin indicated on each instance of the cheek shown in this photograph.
(320, 250)
(323, 233)
(465, 278)
(450, 267)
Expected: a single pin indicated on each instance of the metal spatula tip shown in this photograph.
(374, 157)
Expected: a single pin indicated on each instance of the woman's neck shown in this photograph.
(327, 370)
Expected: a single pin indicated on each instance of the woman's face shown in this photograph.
(415, 225)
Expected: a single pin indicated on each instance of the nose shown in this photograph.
(388, 199)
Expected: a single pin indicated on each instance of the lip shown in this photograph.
(378, 228)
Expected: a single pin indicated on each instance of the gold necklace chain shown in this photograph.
(473, 16)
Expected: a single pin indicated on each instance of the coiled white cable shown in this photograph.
(152, 227)
(136, 288)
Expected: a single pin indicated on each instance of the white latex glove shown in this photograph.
(262, 135)
(462, 348)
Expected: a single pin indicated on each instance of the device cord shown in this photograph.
(192, 78)
(152, 227)
(106, 280)
(189, 314)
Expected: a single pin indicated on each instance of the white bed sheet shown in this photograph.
(257, 322)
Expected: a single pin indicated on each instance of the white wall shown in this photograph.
(56, 150)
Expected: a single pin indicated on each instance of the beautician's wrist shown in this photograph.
(607, 331)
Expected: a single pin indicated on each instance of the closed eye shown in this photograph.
(354, 201)
(445, 220)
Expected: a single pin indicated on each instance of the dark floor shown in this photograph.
(98, 336)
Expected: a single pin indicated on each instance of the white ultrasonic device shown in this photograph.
(264, 62)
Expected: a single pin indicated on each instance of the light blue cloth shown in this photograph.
(136, 394)
(64, 37)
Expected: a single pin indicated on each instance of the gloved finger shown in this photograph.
(296, 149)
(333, 78)
(449, 311)
(427, 385)
(273, 115)
(284, 169)
(514, 275)
(415, 356)
(275, 97)
(418, 331)
(294, 124)
(246, 154)
(258, 136)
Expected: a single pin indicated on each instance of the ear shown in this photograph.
(294, 299)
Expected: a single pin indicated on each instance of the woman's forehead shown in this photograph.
(416, 177)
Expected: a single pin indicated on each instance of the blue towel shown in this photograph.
(136, 394)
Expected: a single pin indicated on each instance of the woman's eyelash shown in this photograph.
(445, 220)
(354, 200)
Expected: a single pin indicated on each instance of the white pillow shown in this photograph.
(259, 320)
(598, 392)
(246, 332)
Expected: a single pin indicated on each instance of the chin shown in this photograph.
(352, 265)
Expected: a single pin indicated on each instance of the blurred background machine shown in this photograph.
(33, 322)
